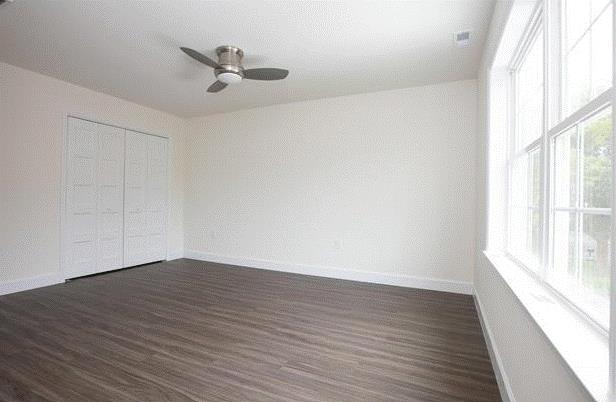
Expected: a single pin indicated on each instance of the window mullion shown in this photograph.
(511, 153)
(612, 328)
(554, 53)
(579, 216)
(545, 151)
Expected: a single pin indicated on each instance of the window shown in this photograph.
(560, 153)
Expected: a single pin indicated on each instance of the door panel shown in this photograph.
(84, 170)
(83, 198)
(94, 199)
(81, 202)
(145, 198)
(84, 228)
(135, 198)
(83, 258)
(157, 198)
(110, 197)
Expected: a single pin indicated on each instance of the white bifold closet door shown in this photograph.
(145, 206)
(116, 198)
(94, 198)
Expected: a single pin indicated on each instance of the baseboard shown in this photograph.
(497, 364)
(337, 273)
(175, 254)
(20, 285)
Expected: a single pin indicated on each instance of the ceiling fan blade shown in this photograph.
(217, 86)
(200, 57)
(266, 74)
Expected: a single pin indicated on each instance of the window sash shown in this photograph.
(578, 212)
(536, 27)
(558, 51)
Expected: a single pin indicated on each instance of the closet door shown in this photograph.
(110, 198)
(135, 188)
(156, 200)
(145, 199)
(81, 208)
(94, 198)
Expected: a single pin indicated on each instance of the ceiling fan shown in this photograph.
(229, 70)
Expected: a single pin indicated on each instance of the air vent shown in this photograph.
(462, 38)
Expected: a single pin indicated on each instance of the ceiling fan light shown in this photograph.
(229, 78)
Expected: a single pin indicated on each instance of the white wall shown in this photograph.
(532, 369)
(380, 182)
(32, 110)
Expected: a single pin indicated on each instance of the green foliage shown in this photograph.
(597, 158)
(598, 162)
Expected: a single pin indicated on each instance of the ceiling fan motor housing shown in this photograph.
(230, 61)
(229, 70)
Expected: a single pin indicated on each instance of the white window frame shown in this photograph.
(612, 334)
(547, 17)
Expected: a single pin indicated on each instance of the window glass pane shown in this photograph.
(565, 257)
(581, 222)
(525, 211)
(596, 255)
(529, 121)
(576, 21)
(586, 51)
(566, 168)
(597, 6)
(581, 262)
(601, 53)
(534, 238)
(519, 184)
(534, 180)
(577, 76)
(597, 132)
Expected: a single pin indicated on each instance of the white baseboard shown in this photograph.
(338, 273)
(175, 254)
(20, 285)
(497, 364)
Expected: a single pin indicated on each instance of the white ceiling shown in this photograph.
(130, 49)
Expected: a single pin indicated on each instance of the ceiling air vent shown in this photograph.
(462, 38)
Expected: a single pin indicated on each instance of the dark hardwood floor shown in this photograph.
(189, 330)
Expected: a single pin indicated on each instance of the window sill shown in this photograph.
(583, 347)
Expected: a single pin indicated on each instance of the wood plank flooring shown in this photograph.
(189, 330)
